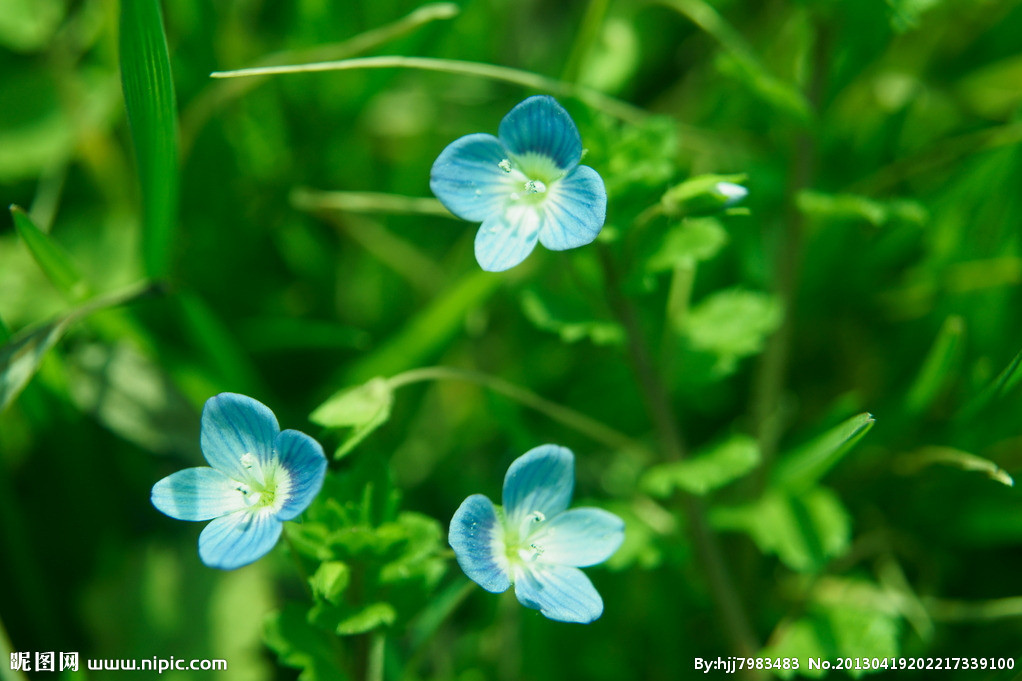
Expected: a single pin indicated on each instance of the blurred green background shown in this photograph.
(877, 269)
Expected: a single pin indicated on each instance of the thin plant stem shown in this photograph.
(429, 622)
(377, 650)
(588, 33)
(569, 417)
(367, 202)
(735, 621)
(597, 100)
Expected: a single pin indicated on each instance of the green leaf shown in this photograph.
(807, 464)
(721, 465)
(687, 242)
(540, 314)
(732, 324)
(55, 263)
(21, 356)
(363, 408)
(330, 580)
(804, 530)
(133, 396)
(938, 367)
(368, 618)
(301, 645)
(152, 110)
(854, 207)
(29, 25)
(948, 456)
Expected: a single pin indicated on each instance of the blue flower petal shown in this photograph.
(468, 179)
(238, 539)
(477, 538)
(561, 593)
(574, 210)
(538, 482)
(540, 126)
(197, 494)
(506, 238)
(305, 463)
(579, 537)
(235, 425)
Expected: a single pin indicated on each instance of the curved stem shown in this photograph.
(598, 100)
(568, 417)
(732, 612)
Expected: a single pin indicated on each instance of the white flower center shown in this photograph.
(524, 547)
(264, 486)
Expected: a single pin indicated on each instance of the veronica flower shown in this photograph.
(534, 542)
(523, 185)
(258, 476)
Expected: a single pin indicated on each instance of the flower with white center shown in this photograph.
(525, 185)
(534, 542)
(258, 476)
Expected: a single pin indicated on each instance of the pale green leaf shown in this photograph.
(571, 331)
(804, 530)
(356, 406)
(854, 207)
(807, 464)
(707, 471)
(366, 619)
(330, 580)
(687, 242)
(732, 324)
(152, 112)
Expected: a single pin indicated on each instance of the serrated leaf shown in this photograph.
(152, 112)
(705, 472)
(689, 241)
(807, 464)
(732, 324)
(330, 580)
(540, 314)
(370, 617)
(55, 263)
(804, 530)
(938, 367)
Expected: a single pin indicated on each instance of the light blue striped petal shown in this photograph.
(579, 537)
(239, 539)
(540, 126)
(559, 592)
(468, 178)
(506, 238)
(303, 459)
(574, 210)
(197, 494)
(477, 538)
(235, 425)
(538, 485)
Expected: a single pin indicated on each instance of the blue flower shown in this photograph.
(260, 477)
(534, 542)
(524, 185)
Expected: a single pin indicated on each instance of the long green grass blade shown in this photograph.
(149, 99)
(938, 367)
(810, 462)
(55, 263)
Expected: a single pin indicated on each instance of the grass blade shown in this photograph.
(810, 462)
(55, 263)
(149, 99)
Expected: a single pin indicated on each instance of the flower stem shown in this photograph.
(568, 417)
(367, 202)
(377, 650)
(598, 100)
(303, 574)
(732, 612)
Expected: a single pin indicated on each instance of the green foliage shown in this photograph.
(152, 109)
(50, 257)
(807, 464)
(599, 332)
(732, 324)
(363, 408)
(686, 243)
(707, 471)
